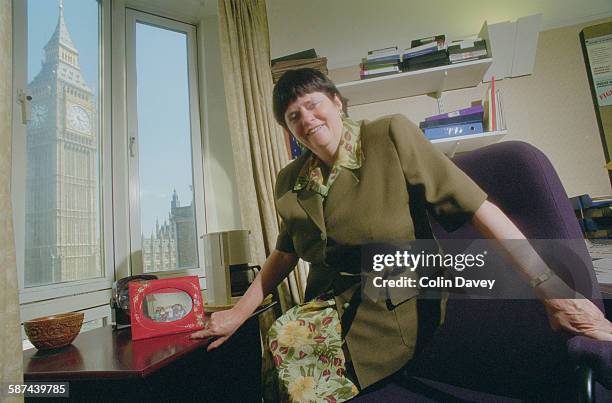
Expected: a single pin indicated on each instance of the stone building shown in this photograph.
(62, 241)
(172, 245)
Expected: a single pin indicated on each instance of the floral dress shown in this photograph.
(306, 341)
(307, 349)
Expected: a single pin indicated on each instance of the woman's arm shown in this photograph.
(223, 324)
(578, 316)
(275, 269)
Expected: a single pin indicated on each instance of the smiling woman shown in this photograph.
(358, 183)
(315, 120)
(315, 115)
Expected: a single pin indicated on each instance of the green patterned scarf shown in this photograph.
(349, 157)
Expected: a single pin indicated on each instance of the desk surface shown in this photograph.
(111, 354)
(105, 353)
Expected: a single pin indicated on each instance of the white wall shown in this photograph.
(551, 109)
(344, 30)
(222, 209)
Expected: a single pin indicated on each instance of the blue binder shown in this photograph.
(433, 133)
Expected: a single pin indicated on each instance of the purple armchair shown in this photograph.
(504, 350)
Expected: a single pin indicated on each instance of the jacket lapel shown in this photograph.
(312, 203)
(349, 177)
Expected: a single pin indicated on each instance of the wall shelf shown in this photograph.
(408, 84)
(427, 81)
(459, 144)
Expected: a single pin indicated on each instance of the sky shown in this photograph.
(163, 121)
(162, 96)
(81, 17)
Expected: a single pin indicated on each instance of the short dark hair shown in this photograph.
(294, 84)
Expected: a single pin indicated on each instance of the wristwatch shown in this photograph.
(536, 281)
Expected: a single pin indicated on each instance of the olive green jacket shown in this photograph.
(401, 179)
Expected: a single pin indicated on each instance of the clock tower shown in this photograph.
(62, 235)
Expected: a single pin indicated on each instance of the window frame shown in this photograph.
(133, 17)
(34, 301)
(92, 296)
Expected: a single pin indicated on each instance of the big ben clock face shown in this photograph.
(39, 115)
(78, 119)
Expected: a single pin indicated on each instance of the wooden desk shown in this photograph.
(105, 365)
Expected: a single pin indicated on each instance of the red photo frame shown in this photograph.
(165, 306)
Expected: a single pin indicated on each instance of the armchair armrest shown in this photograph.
(594, 354)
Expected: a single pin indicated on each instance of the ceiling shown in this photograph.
(190, 11)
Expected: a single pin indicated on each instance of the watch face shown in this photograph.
(78, 118)
(39, 115)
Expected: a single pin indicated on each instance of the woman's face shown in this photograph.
(315, 121)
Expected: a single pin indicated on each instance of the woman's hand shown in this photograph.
(221, 325)
(579, 317)
(576, 315)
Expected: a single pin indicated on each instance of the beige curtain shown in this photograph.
(10, 340)
(258, 144)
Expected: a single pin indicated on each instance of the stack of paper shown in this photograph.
(279, 68)
(305, 58)
(380, 62)
(425, 53)
(466, 50)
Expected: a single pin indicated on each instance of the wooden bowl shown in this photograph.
(54, 331)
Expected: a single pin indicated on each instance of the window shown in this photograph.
(93, 204)
(163, 124)
(61, 170)
(63, 238)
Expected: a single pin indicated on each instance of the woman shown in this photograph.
(351, 187)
